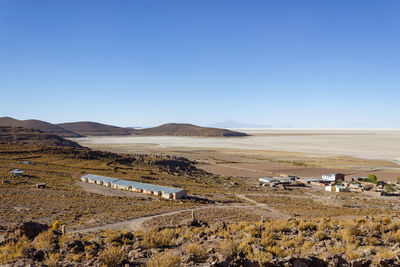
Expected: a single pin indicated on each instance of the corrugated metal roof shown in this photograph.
(137, 185)
(310, 180)
(267, 179)
(99, 178)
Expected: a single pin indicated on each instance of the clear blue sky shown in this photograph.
(140, 62)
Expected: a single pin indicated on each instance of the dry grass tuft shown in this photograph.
(165, 259)
(112, 256)
(164, 238)
(44, 240)
(52, 259)
(197, 250)
(14, 250)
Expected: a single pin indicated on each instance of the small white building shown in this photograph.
(333, 177)
(337, 188)
(267, 180)
(17, 172)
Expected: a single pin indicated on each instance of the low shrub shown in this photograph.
(307, 225)
(229, 247)
(44, 240)
(163, 238)
(52, 259)
(14, 250)
(165, 259)
(197, 250)
(111, 256)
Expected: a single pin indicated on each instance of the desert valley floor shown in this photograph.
(229, 219)
(268, 151)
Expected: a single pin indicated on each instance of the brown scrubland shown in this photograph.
(228, 220)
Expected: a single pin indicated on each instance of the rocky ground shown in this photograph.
(365, 241)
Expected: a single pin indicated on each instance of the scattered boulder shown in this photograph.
(33, 254)
(29, 229)
(196, 223)
(75, 247)
(360, 263)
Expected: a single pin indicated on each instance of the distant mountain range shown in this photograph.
(88, 128)
(236, 125)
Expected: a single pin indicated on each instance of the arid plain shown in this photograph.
(302, 152)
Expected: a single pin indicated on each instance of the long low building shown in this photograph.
(157, 190)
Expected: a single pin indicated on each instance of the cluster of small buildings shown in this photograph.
(326, 179)
(337, 188)
(281, 180)
(289, 180)
(334, 182)
(150, 189)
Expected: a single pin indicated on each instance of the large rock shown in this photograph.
(306, 262)
(33, 254)
(360, 263)
(29, 229)
(75, 247)
(389, 262)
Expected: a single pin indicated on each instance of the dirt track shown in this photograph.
(136, 224)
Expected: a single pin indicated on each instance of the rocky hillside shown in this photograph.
(305, 243)
(19, 135)
(94, 128)
(183, 129)
(37, 124)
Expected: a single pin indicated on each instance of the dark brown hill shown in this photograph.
(183, 129)
(94, 128)
(19, 135)
(84, 128)
(37, 124)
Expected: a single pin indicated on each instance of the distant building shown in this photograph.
(17, 172)
(310, 180)
(334, 177)
(27, 162)
(267, 180)
(336, 188)
(150, 189)
(97, 179)
(41, 185)
(291, 177)
(359, 179)
(282, 180)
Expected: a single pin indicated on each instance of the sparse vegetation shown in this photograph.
(153, 238)
(62, 200)
(263, 242)
(388, 188)
(316, 226)
(372, 179)
(165, 259)
(111, 256)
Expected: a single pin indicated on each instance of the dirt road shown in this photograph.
(273, 212)
(136, 224)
